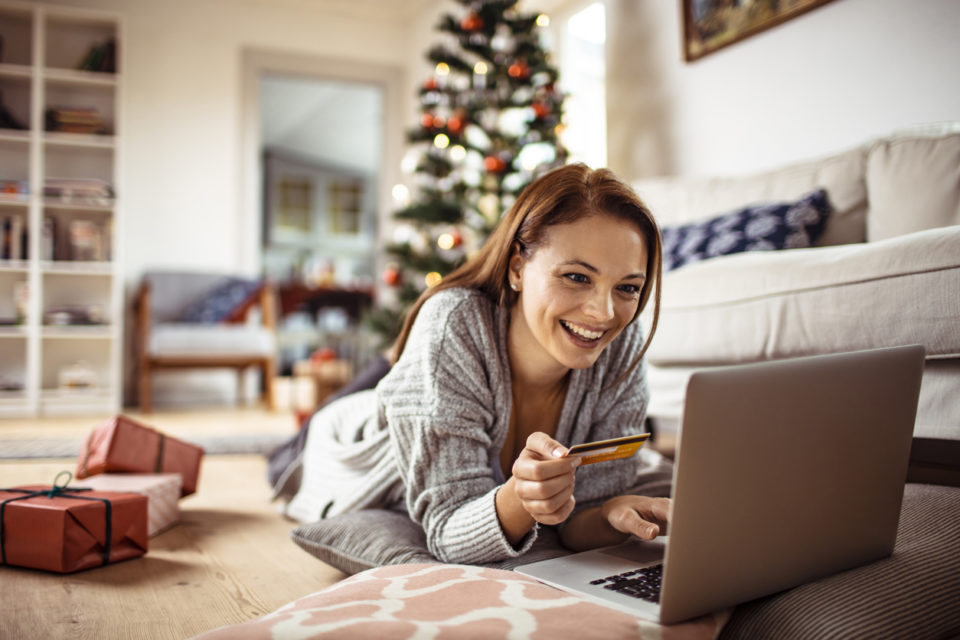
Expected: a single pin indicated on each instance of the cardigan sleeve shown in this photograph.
(442, 407)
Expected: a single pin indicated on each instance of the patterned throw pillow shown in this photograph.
(764, 227)
(224, 304)
(454, 601)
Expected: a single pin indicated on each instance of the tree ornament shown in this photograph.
(472, 22)
(494, 164)
(430, 84)
(391, 276)
(427, 121)
(540, 109)
(456, 122)
(519, 70)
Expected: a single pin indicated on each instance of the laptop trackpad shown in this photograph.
(639, 551)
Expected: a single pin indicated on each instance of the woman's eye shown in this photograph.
(577, 277)
(630, 289)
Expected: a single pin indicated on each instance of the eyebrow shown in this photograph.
(590, 267)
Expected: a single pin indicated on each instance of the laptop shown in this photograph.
(786, 471)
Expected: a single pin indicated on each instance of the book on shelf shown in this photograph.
(75, 120)
(48, 241)
(76, 241)
(13, 242)
(79, 191)
(85, 241)
(100, 57)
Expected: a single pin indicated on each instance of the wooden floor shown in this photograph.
(215, 421)
(229, 559)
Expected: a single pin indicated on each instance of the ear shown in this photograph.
(515, 266)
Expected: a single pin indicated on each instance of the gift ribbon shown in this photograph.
(58, 491)
(158, 467)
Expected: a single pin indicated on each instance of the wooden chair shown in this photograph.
(165, 341)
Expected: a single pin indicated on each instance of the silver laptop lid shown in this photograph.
(813, 455)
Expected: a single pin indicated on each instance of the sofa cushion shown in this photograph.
(676, 201)
(937, 408)
(761, 227)
(453, 601)
(915, 593)
(913, 183)
(768, 305)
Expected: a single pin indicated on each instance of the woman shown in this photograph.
(530, 346)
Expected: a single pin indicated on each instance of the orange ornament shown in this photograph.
(494, 164)
(426, 121)
(472, 22)
(518, 69)
(391, 276)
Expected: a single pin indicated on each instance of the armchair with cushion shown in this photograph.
(188, 320)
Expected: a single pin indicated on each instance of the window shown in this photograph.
(583, 77)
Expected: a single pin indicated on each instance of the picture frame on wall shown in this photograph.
(710, 25)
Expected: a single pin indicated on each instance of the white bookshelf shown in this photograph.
(71, 314)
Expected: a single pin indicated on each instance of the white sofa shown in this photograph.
(886, 271)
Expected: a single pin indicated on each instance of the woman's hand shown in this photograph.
(615, 521)
(543, 479)
(640, 516)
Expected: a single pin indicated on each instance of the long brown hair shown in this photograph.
(561, 196)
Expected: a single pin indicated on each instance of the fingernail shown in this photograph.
(557, 453)
(575, 461)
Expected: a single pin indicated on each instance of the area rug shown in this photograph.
(32, 448)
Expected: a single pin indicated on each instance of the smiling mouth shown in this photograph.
(581, 333)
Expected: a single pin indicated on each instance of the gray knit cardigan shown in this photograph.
(442, 416)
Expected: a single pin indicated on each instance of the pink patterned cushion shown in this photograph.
(446, 601)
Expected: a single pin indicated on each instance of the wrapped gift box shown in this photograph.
(162, 491)
(123, 445)
(72, 530)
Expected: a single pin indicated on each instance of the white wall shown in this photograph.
(182, 107)
(825, 81)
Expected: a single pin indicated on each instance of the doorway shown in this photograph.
(320, 153)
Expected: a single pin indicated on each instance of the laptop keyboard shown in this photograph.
(640, 583)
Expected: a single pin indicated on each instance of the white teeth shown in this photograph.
(583, 333)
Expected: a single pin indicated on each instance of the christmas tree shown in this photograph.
(489, 120)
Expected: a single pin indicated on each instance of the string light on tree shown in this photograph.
(450, 240)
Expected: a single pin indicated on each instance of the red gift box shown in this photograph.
(66, 530)
(122, 445)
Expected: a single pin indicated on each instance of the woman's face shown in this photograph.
(577, 292)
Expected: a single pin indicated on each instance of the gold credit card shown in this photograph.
(612, 449)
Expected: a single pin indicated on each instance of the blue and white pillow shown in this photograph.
(221, 304)
(765, 227)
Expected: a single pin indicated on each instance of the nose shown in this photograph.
(599, 305)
